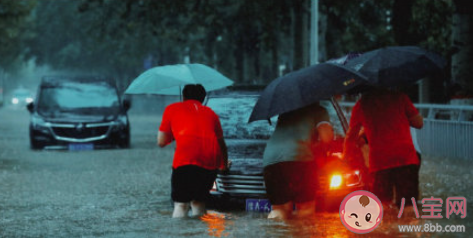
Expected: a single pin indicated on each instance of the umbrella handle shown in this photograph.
(340, 114)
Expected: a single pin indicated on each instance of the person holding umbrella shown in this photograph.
(200, 150)
(289, 166)
(386, 117)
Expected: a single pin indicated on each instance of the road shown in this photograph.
(126, 193)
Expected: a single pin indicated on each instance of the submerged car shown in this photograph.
(243, 185)
(78, 113)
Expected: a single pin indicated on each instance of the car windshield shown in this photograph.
(72, 96)
(235, 111)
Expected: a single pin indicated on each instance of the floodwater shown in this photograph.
(126, 193)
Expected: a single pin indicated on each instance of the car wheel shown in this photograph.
(35, 145)
(125, 142)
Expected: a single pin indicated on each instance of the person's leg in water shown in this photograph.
(180, 210)
(407, 187)
(198, 208)
(279, 189)
(305, 209)
(383, 185)
(282, 211)
(179, 192)
(304, 179)
(200, 190)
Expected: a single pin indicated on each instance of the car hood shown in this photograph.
(78, 118)
(247, 159)
(246, 156)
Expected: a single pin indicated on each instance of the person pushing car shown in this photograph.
(200, 150)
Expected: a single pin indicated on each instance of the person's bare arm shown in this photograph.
(352, 136)
(223, 147)
(351, 141)
(417, 121)
(164, 139)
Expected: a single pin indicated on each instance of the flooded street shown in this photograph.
(126, 193)
(308, 76)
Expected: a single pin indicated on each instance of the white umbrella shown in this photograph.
(169, 79)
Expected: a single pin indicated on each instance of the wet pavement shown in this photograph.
(126, 193)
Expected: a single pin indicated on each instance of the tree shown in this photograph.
(246, 40)
(14, 18)
(402, 23)
(462, 35)
(93, 37)
(356, 26)
(117, 36)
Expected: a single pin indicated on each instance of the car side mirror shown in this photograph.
(30, 107)
(126, 104)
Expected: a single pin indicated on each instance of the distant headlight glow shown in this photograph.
(29, 100)
(15, 100)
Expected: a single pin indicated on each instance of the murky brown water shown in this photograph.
(126, 193)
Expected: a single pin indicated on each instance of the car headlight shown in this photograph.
(15, 100)
(29, 100)
(335, 181)
(39, 124)
(120, 123)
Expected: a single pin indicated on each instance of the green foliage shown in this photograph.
(246, 40)
(432, 24)
(14, 18)
(356, 26)
(116, 36)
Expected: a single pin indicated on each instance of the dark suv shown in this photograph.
(243, 185)
(78, 113)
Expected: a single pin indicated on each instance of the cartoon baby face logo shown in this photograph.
(361, 212)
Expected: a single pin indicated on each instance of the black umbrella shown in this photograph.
(304, 87)
(397, 65)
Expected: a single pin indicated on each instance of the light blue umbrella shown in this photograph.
(170, 79)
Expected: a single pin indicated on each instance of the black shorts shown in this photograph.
(403, 180)
(291, 181)
(191, 182)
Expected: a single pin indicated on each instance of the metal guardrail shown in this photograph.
(447, 131)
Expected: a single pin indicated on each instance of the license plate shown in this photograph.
(258, 205)
(80, 147)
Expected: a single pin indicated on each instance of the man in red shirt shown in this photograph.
(386, 117)
(200, 149)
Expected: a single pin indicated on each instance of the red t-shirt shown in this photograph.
(196, 129)
(385, 118)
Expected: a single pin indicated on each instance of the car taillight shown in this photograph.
(335, 181)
